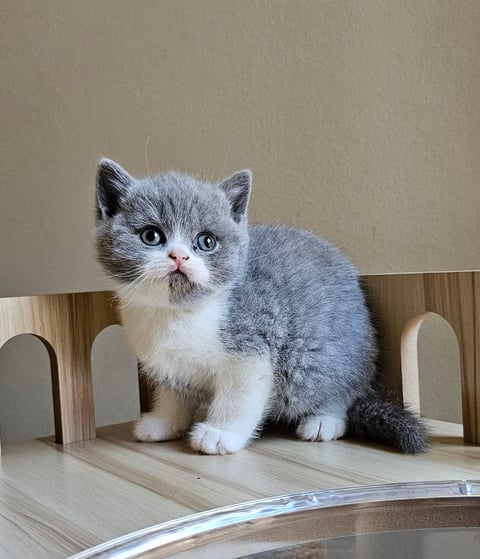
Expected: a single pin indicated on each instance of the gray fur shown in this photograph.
(292, 295)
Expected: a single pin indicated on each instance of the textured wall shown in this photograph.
(359, 120)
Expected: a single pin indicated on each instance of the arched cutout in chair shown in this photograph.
(442, 385)
(399, 298)
(26, 349)
(116, 389)
(68, 324)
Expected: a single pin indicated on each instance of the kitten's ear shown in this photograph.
(237, 190)
(112, 182)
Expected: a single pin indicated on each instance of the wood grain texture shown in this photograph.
(67, 324)
(399, 303)
(58, 499)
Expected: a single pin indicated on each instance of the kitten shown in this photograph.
(260, 323)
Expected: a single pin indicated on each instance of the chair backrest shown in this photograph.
(399, 303)
(69, 323)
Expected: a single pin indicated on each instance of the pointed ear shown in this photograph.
(237, 190)
(112, 182)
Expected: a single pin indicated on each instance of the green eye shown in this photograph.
(153, 237)
(205, 242)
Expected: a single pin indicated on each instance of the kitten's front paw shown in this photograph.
(210, 440)
(321, 428)
(151, 428)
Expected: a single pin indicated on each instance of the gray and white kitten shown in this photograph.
(260, 323)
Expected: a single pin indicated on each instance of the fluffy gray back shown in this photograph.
(300, 301)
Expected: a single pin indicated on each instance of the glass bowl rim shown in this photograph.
(154, 537)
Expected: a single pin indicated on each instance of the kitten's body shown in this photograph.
(272, 322)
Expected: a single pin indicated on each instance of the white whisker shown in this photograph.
(127, 291)
(146, 156)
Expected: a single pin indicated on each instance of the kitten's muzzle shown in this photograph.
(179, 258)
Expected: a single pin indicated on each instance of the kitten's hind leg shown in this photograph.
(324, 427)
(169, 418)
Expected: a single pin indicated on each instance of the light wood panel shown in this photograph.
(67, 324)
(59, 499)
(399, 303)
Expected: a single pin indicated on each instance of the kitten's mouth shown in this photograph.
(176, 277)
(177, 273)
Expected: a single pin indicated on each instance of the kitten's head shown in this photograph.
(170, 240)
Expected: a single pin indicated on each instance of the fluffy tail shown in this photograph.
(373, 417)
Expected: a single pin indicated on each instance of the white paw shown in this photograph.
(210, 440)
(321, 428)
(150, 428)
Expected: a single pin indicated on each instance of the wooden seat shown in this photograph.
(69, 323)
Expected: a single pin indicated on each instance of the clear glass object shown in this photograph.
(416, 520)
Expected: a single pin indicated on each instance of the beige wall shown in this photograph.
(359, 119)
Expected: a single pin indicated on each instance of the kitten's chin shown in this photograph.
(176, 291)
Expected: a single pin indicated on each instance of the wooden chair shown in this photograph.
(69, 323)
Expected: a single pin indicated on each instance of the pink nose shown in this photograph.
(178, 257)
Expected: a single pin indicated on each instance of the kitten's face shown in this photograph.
(170, 241)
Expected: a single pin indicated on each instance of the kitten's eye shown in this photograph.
(205, 242)
(153, 237)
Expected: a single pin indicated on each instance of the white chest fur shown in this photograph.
(178, 345)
